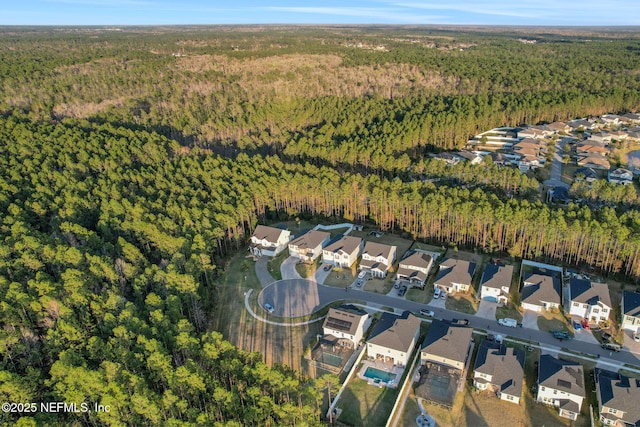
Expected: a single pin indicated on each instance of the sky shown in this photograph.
(436, 12)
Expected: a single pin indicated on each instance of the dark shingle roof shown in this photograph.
(561, 375)
(395, 332)
(375, 250)
(539, 288)
(446, 340)
(270, 234)
(586, 292)
(619, 392)
(497, 276)
(504, 364)
(346, 244)
(310, 240)
(631, 303)
(455, 271)
(344, 318)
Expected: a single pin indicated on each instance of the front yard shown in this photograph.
(341, 277)
(553, 321)
(509, 310)
(464, 303)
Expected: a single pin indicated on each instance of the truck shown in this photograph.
(611, 346)
(508, 322)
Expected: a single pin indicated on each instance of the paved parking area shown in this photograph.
(288, 268)
(438, 303)
(322, 274)
(630, 344)
(585, 336)
(487, 310)
(530, 320)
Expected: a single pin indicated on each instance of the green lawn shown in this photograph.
(308, 270)
(549, 321)
(423, 296)
(274, 264)
(365, 405)
(341, 277)
(380, 286)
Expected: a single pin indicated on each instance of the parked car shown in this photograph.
(636, 337)
(436, 293)
(611, 346)
(362, 274)
(443, 295)
(576, 325)
(508, 322)
(396, 285)
(359, 283)
(463, 322)
(269, 308)
(402, 291)
(327, 267)
(606, 336)
(561, 335)
(425, 312)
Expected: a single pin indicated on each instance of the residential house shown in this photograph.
(561, 384)
(308, 247)
(589, 300)
(393, 338)
(455, 275)
(495, 283)
(559, 194)
(472, 158)
(536, 132)
(618, 398)
(589, 146)
(582, 124)
(594, 161)
(540, 291)
(447, 344)
(603, 137)
(618, 135)
(498, 158)
(377, 258)
(585, 174)
(559, 127)
(632, 117)
(611, 119)
(346, 322)
(268, 241)
(448, 158)
(620, 176)
(342, 252)
(499, 369)
(631, 311)
(415, 268)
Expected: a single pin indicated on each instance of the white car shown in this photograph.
(425, 312)
(636, 337)
(436, 294)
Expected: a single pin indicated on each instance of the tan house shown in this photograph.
(631, 311)
(618, 398)
(561, 384)
(540, 291)
(393, 338)
(268, 241)
(343, 252)
(496, 282)
(346, 322)
(499, 369)
(308, 247)
(455, 275)
(447, 344)
(377, 258)
(415, 268)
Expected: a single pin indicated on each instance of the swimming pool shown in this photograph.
(332, 359)
(374, 373)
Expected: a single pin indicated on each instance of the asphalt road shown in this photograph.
(556, 166)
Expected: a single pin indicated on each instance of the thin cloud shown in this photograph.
(362, 12)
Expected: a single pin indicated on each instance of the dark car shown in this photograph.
(463, 322)
(561, 335)
(402, 291)
(327, 267)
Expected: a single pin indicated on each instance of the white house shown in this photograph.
(499, 369)
(415, 268)
(495, 283)
(268, 241)
(393, 338)
(589, 300)
(447, 344)
(343, 252)
(540, 292)
(631, 311)
(347, 322)
(377, 258)
(620, 176)
(618, 398)
(561, 384)
(308, 247)
(455, 275)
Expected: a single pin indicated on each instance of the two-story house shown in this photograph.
(620, 176)
(589, 300)
(540, 291)
(561, 384)
(377, 258)
(309, 246)
(447, 344)
(343, 252)
(455, 275)
(631, 311)
(415, 268)
(618, 398)
(268, 241)
(393, 338)
(495, 283)
(499, 369)
(346, 322)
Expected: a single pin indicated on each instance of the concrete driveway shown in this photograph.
(630, 344)
(321, 275)
(288, 269)
(530, 320)
(585, 336)
(262, 271)
(439, 303)
(487, 310)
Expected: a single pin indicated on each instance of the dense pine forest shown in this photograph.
(135, 162)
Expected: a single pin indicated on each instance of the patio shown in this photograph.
(380, 374)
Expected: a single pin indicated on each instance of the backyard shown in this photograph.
(365, 405)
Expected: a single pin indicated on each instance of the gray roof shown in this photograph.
(586, 292)
(447, 340)
(561, 375)
(631, 303)
(587, 172)
(310, 239)
(270, 234)
(619, 392)
(539, 288)
(504, 364)
(346, 244)
(377, 249)
(455, 271)
(497, 276)
(395, 332)
(417, 259)
(344, 318)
